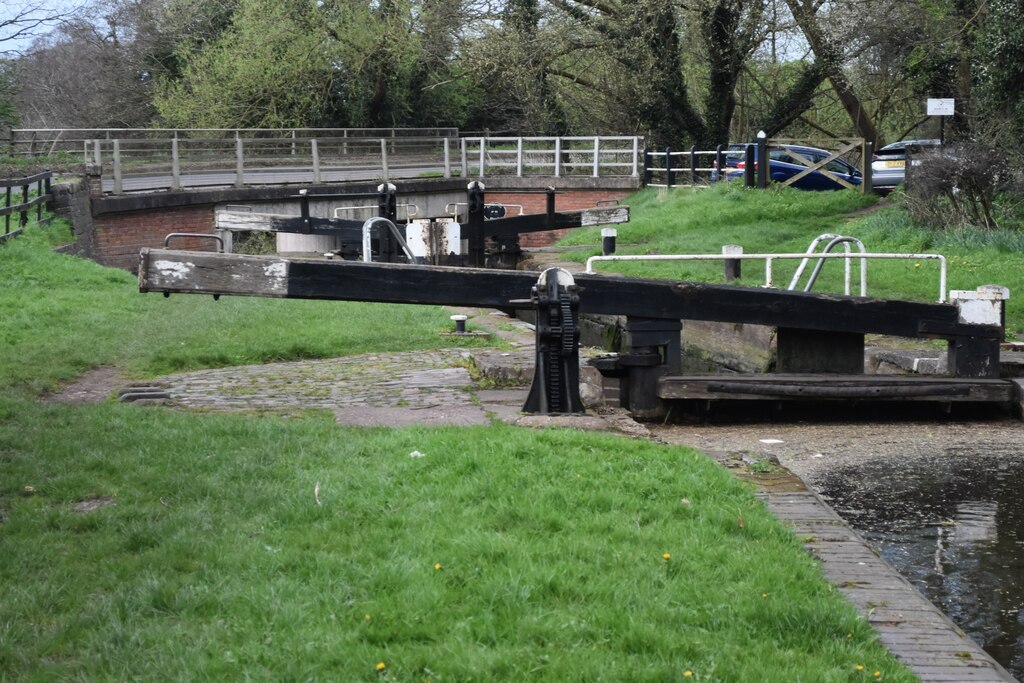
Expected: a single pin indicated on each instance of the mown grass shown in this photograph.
(786, 220)
(89, 316)
(236, 547)
(501, 554)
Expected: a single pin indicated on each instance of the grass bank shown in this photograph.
(144, 543)
(64, 315)
(786, 220)
(500, 554)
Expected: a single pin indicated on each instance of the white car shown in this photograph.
(888, 165)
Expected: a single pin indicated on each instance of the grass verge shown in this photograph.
(786, 220)
(64, 315)
(501, 554)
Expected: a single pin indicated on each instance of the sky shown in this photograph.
(19, 21)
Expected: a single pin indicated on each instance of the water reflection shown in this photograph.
(953, 524)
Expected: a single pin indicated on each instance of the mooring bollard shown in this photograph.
(732, 265)
(608, 236)
(460, 323)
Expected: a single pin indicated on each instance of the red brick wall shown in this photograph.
(120, 236)
(565, 200)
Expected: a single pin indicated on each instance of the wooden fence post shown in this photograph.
(384, 159)
(670, 176)
(732, 265)
(239, 162)
(175, 164)
(558, 157)
(314, 150)
(748, 166)
(636, 156)
(447, 159)
(23, 216)
(597, 156)
(866, 156)
(762, 160)
(118, 179)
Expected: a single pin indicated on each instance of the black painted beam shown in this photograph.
(172, 271)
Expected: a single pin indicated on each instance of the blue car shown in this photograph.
(782, 166)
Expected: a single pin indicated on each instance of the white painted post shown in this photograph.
(465, 161)
(732, 265)
(983, 306)
(597, 156)
(175, 165)
(315, 151)
(118, 186)
(447, 159)
(97, 155)
(239, 162)
(483, 155)
(384, 158)
(519, 157)
(558, 157)
(636, 157)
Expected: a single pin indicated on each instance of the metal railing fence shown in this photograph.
(47, 141)
(595, 156)
(770, 259)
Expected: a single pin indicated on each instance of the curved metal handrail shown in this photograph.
(833, 241)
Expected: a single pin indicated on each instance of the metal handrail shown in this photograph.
(367, 245)
(835, 239)
(197, 235)
(770, 258)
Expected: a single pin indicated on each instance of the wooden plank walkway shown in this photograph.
(913, 629)
(825, 386)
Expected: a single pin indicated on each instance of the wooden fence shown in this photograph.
(42, 183)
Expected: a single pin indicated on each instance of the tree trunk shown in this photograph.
(829, 56)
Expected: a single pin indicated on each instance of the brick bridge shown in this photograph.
(111, 229)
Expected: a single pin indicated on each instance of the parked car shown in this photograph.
(782, 166)
(889, 165)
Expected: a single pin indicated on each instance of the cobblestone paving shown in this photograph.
(415, 380)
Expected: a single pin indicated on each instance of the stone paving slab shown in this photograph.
(420, 382)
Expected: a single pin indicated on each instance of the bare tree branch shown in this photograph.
(23, 21)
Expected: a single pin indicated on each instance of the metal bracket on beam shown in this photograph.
(556, 375)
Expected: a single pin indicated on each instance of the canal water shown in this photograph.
(953, 524)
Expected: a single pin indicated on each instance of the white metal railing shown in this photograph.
(769, 260)
(176, 163)
(43, 141)
(161, 159)
(684, 163)
(833, 241)
(595, 156)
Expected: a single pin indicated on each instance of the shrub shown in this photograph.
(958, 187)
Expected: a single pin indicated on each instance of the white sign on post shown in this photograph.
(941, 107)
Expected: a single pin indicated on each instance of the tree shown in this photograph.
(21, 22)
(330, 63)
(645, 40)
